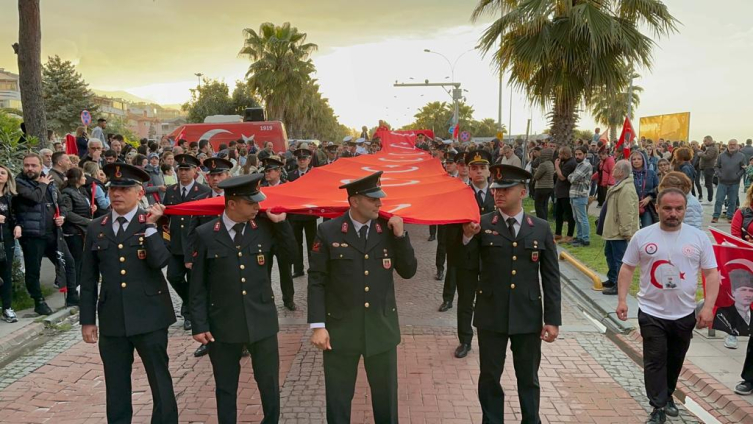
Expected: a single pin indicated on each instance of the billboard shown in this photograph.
(670, 127)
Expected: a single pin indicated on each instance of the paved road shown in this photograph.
(584, 377)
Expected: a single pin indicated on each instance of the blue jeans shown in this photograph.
(730, 191)
(614, 250)
(580, 212)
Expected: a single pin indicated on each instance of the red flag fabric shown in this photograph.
(626, 136)
(728, 239)
(456, 131)
(417, 186)
(71, 148)
(736, 291)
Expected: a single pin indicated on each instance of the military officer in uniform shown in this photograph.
(467, 270)
(133, 302)
(331, 151)
(351, 300)
(232, 303)
(513, 249)
(176, 234)
(302, 223)
(218, 171)
(272, 178)
(349, 147)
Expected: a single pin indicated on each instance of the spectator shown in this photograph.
(58, 147)
(730, 167)
(110, 155)
(193, 148)
(748, 150)
(99, 133)
(509, 157)
(61, 163)
(593, 158)
(80, 213)
(46, 155)
(597, 135)
(652, 157)
(206, 147)
(544, 183)
(155, 188)
(95, 150)
(670, 255)
(646, 182)
(36, 209)
(168, 174)
(707, 163)
(139, 161)
(117, 146)
(696, 162)
(564, 165)
(664, 167)
(694, 210)
(82, 141)
(267, 152)
(681, 161)
(94, 184)
(603, 175)
(580, 185)
(618, 221)
(748, 180)
(75, 160)
(9, 232)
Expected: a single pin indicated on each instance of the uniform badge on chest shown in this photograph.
(387, 263)
(535, 256)
(260, 259)
(142, 254)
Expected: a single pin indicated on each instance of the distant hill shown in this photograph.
(120, 94)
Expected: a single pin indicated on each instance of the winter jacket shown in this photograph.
(708, 157)
(79, 211)
(693, 212)
(34, 206)
(646, 182)
(562, 187)
(83, 146)
(544, 175)
(621, 219)
(153, 194)
(604, 176)
(730, 167)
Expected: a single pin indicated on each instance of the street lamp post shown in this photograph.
(457, 93)
(199, 75)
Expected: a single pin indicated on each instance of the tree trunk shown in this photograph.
(612, 133)
(563, 118)
(29, 51)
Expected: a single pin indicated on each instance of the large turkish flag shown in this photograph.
(418, 188)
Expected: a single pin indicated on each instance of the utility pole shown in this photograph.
(501, 75)
(199, 75)
(456, 95)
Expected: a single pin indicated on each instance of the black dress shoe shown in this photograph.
(42, 309)
(432, 238)
(186, 324)
(462, 350)
(658, 416)
(671, 409)
(440, 275)
(611, 291)
(290, 306)
(201, 351)
(297, 274)
(445, 306)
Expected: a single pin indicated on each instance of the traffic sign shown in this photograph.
(500, 135)
(86, 117)
(465, 136)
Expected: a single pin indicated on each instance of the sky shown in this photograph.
(153, 48)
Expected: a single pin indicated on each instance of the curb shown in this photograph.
(60, 316)
(16, 340)
(713, 396)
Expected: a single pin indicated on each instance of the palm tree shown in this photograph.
(559, 52)
(281, 66)
(609, 107)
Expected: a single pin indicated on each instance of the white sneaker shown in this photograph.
(730, 342)
(9, 315)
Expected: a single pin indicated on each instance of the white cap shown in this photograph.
(347, 139)
(360, 140)
(448, 141)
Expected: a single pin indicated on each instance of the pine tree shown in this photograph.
(66, 94)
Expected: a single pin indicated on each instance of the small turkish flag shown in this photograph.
(626, 137)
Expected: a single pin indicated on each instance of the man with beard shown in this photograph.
(517, 260)
(186, 190)
(219, 171)
(232, 302)
(670, 255)
(38, 213)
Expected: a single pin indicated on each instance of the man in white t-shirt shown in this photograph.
(670, 255)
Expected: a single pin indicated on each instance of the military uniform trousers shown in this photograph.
(265, 360)
(117, 358)
(526, 356)
(286, 276)
(450, 283)
(340, 372)
(441, 255)
(178, 276)
(299, 226)
(467, 281)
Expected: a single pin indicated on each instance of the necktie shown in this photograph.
(121, 229)
(183, 195)
(238, 228)
(511, 226)
(479, 198)
(362, 236)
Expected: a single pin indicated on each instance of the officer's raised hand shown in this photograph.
(320, 339)
(155, 213)
(470, 229)
(276, 217)
(396, 225)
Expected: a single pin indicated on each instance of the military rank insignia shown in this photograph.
(535, 256)
(317, 246)
(253, 224)
(387, 263)
(378, 228)
(260, 259)
(142, 219)
(344, 227)
(495, 218)
(142, 254)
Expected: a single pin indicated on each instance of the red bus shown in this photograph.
(224, 132)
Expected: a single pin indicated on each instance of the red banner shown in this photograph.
(728, 239)
(736, 290)
(417, 186)
(626, 137)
